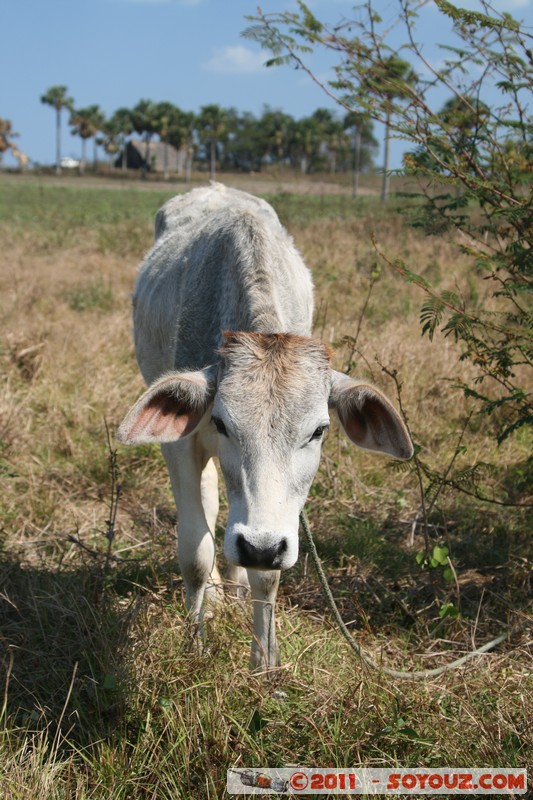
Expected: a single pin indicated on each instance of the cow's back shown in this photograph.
(187, 210)
(221, 261)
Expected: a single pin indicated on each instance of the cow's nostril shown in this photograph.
(260, 557)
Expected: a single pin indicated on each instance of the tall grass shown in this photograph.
(102, 694)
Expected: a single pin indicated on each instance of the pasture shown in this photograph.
(101, 693)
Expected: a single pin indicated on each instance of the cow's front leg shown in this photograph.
(265, 650)
(214, 593)
(196, 544)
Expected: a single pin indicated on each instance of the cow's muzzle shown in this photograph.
(260, 558)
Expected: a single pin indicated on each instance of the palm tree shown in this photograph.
(110, 138)
(144, 120)
(97, 118)
(57, 97)
(465, 120)
(455, 145)
(121, 122)
(274, 130)
(86, 122)
(361, 126)
(330, 134)
(390, 80)
(248, 143)
(166, 117)
(181, 136)
(304, 142)
(212, 125)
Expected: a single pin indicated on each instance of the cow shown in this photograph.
(222, 314)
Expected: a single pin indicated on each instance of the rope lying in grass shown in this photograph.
(415, 675)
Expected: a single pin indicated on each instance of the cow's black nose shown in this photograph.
(260, 558)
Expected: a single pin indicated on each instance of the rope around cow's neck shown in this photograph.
(415, 675)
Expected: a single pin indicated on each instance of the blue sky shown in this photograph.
(190, 52)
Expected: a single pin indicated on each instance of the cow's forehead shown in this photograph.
(272, 374)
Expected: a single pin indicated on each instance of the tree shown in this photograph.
(363, 143)
(57, 97)
(6, 135)
(465, 120)
(225, 147)
(98, 121)
(144, 121)
(121, 122)
(86, 122)
(81, 126)
(304, 142)
(481, 146)
(212, 125)
(390, 81)
(327, 130)
(274, 134)
(244, 148)
(110, 138)
(163, 113)
(181, 136)
(167, 118)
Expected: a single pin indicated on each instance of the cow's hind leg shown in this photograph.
(186, 462)
(238, 583)
(265, 651)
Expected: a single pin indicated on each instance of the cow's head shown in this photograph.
(268, 402)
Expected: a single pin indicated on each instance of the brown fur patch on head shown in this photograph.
(279, 351)
(275, 366)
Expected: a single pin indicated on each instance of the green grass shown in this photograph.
(58, 217)
(295, 209)
(103, 695)
(35, 204)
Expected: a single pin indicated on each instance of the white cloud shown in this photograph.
(236, 60)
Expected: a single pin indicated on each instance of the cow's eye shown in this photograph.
(219, 425)
(319, 432)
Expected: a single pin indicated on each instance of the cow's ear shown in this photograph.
(369, 418)
(170, 409)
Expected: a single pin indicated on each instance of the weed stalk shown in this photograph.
(114, 497)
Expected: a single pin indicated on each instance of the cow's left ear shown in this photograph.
(170, 409)
(368, 417)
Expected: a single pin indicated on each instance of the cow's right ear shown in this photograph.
(170, 409)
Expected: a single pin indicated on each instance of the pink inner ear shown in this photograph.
(373, 424)
(163, 419)
(355, 426)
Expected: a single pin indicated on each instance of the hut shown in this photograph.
(153, 159)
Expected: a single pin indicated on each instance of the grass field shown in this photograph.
(101, 693)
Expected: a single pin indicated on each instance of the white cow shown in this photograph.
(222, 314)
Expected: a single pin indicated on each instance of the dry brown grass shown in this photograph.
(147, 717)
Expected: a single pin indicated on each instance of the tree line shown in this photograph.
(220, 138)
